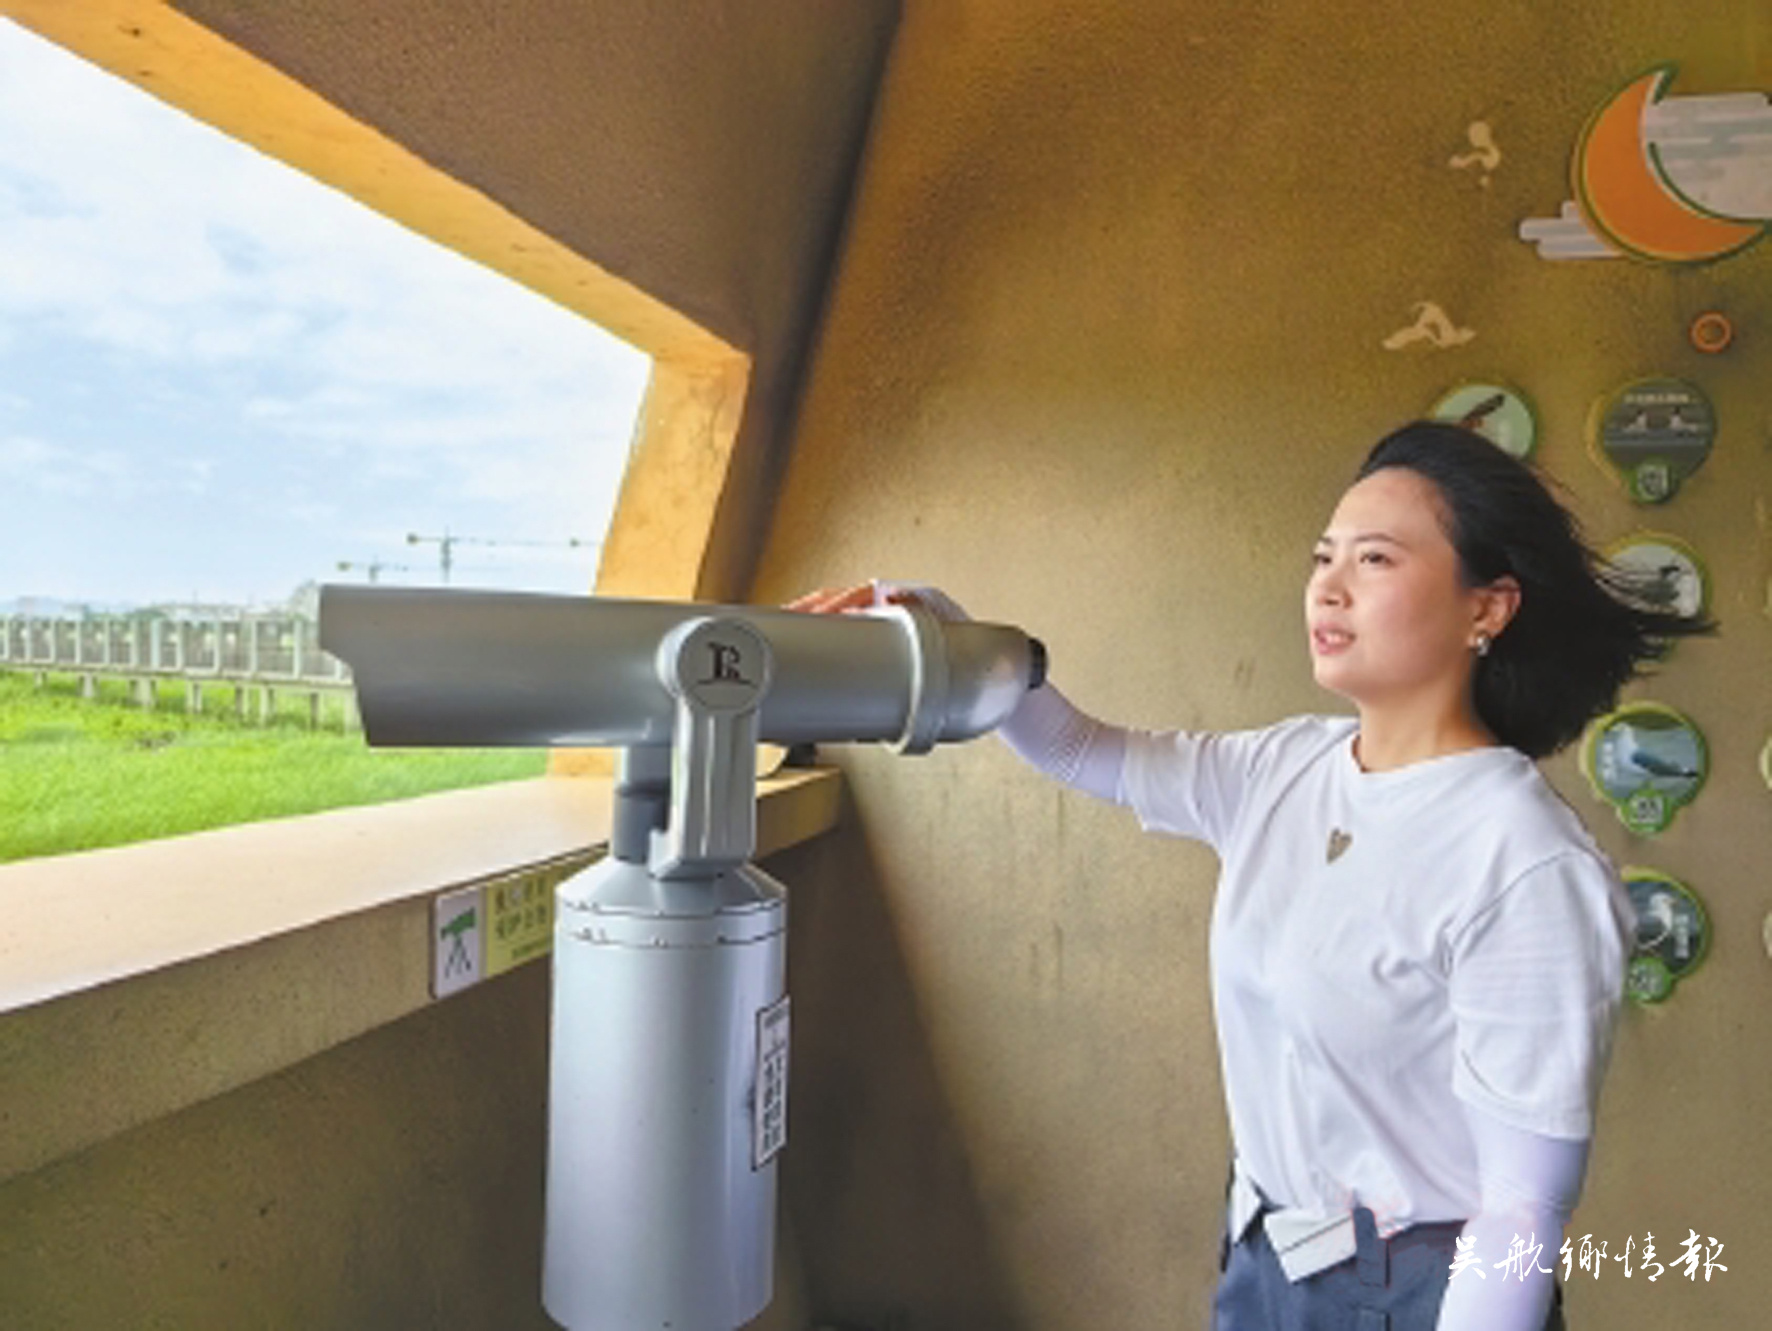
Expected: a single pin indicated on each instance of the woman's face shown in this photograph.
(1387, 616)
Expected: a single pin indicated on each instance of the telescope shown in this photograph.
(667, 1080)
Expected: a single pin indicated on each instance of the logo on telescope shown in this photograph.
(725, 666)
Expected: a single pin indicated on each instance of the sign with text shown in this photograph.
(519, 919)
(483, 931)
(769, 1107)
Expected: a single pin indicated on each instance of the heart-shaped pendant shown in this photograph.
(1338, 842)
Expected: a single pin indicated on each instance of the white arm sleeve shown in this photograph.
(1529, 1184)
(1050, 733)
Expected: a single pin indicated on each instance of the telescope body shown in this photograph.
(504, 668)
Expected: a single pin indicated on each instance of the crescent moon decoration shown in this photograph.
(1624, 192)
(1677, 181)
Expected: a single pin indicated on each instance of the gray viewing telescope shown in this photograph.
(667, 1093)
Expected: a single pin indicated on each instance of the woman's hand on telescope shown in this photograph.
(826, 601)
(875, 592)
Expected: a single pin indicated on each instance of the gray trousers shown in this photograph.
(1393, 1284)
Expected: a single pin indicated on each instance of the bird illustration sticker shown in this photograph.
(1672, 934)
(1498, 413)
(1433, 327)
(1647, 761)
(1668, 180)
(1653, 433)
(1484, 155)
(1664, 572)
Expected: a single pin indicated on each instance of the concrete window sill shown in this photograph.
(175, 970)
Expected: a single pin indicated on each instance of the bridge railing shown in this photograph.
(275, 648)
(262, 654)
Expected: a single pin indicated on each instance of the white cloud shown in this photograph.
(167, 238)
(27, 464)
(357, 353)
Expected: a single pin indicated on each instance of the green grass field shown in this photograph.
(76, 775)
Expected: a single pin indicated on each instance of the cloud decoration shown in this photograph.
(1665, 180)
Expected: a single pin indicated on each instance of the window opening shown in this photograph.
(221, 384)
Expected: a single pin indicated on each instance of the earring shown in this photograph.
(1482, 644)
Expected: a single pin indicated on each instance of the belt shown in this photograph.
(1307, 1240)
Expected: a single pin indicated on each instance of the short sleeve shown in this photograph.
(1188, 783)
(1536, 985)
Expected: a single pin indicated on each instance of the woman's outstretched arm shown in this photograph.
(1047, 731)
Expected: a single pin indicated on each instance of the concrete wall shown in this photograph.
(1104, 348)
(394, 1181)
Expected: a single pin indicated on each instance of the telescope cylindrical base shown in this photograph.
(657, 1215)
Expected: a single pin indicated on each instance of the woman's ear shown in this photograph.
(1500, 602)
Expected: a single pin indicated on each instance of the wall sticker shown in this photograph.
(1674, 180)
(1673, 934)
(1711, 332)
(1433, 326)
(1646, 760)
(1499, 413)
(1653, 433)
(1484, 156)
(1668, 573)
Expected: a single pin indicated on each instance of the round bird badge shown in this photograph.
(1672, 934)
(1654, 433)
(1498, 413)
(1646, 760)
(1664, 573)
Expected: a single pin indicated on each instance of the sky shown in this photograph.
(220, 378)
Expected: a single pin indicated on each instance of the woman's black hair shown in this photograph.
(1583, 628)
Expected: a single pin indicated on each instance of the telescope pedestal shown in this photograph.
(658, 1214)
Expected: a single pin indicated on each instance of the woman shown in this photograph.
(1417, 950)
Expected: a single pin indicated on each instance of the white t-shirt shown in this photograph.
(1383, 942)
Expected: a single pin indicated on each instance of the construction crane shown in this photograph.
(447, 542)
(372, 567)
